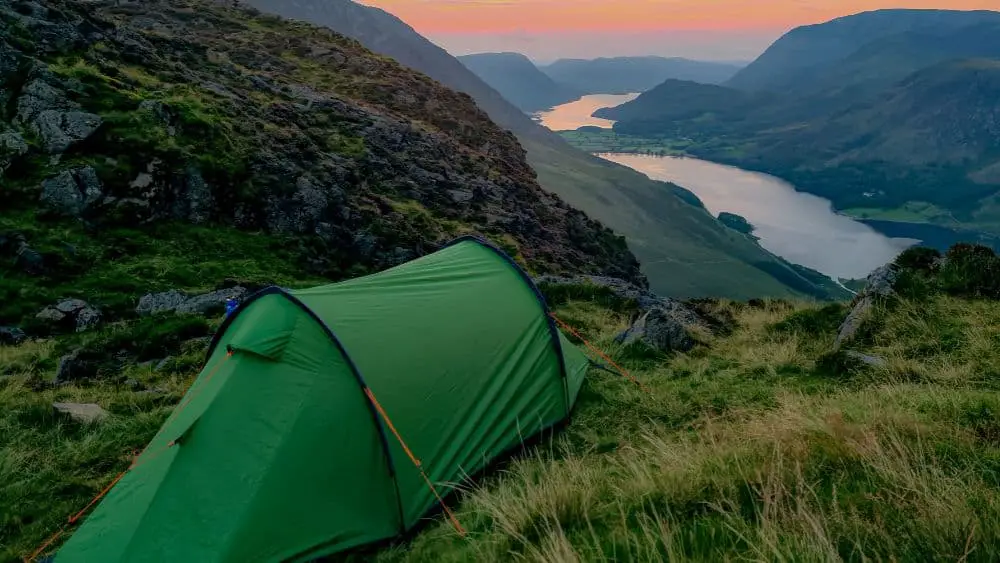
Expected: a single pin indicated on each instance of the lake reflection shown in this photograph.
(799, 227)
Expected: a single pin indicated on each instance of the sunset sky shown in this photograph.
(709, 29)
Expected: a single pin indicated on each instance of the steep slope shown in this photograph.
(519, 81)
(623, 75)
(139, 116)
(790, 63)
(929, 138)
(684, 250)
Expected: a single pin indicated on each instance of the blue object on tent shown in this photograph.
(231, 304)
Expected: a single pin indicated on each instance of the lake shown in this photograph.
(799, 227)
(574, 115)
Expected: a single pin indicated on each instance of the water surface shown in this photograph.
(801, 228)
(577, 114)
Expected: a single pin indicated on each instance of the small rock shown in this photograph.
(153, 303)
(29, 260)
(74, 313)
(72, 367)
(59, 130)
(72, 191)
(460, 196)
(11, 335)
(163, 363)
(665, 328)
(12, 145)
(85, 413)
(71, 305)
(177, 302)
(205, 303)
(873, 361)
(879, 287)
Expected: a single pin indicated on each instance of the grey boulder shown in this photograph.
(85, 413)
(74, 313)
(72, 191)
(668, 327)
(177, 302)
(878, 288)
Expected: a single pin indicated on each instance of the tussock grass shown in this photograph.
(749, 450)
(748, 447)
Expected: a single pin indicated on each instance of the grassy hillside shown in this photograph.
(759, 443)
(684, 251)
(519, 81)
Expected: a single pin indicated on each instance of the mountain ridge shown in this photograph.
(626, 75)
(519, 81)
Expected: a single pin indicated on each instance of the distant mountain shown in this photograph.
(795, 60)
(684, 250)
(623, 75)
(519, 80)
(933, 137)
(929, 142)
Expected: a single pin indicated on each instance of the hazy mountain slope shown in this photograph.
(623, 75)
(789, 63)
(519, 81)
(662, 229)
(659, 109)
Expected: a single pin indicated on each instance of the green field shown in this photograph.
(607, 140)
(910, 212)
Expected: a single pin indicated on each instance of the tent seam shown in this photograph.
(553, 330)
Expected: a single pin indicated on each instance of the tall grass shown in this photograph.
(747, 450)
(748, 447)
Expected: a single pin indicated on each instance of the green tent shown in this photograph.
(279, 453)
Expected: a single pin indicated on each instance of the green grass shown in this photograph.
(112, 268)
(609, 141)
(910, 212)
(748, 447)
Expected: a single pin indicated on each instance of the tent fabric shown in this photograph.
(279, 455)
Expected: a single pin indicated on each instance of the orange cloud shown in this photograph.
(496, 16)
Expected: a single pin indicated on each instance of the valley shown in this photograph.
(799, 227)
(291, 280)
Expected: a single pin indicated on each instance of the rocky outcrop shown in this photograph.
(51, 115)
(12, 145)
(667, 327)
(73, 314)
(72, 191)
(879, 287)
(73, 366)
(174, 301)
(25, 258)
(358, 175)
